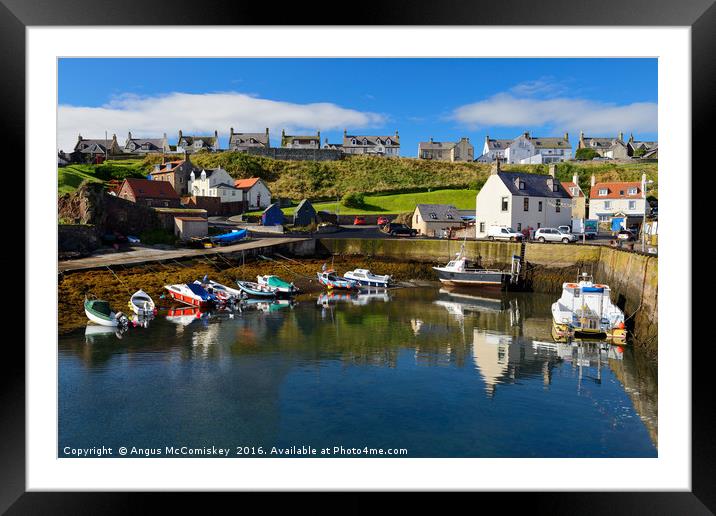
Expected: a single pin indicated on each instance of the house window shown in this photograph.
(539, 225)
(632, 205)
(607, 205)
(526, 203)
(482, 227)
(558, 205)
(602, 191)
(632, 191)
(539, 206)
(504, 204)
(519, 226)
(574, 191)
(433, 216)
(522, 185)
(604, 218)
(449, 216)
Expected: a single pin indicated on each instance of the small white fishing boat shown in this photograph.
(223, 293)
(367, 279)
(460, 272)
(585, 309)
(141, 304)
(98, 311)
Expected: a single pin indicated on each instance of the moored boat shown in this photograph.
(191, 294)
(223, 293)
(252, 289)
(142, 304)
(460, 272)
(331, 280)
(98, 311)
(585, 310)
(280, 286)
(367, 279)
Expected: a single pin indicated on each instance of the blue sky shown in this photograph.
(421, 98)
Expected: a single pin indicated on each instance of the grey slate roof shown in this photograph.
(245, 139)
(370, 140)
(432, 145)
(441, 212)
(535, 185)
(157, 143)
(550, 142)
(494, 144)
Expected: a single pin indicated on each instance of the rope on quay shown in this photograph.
(231, 265)
(125, 286)
(211, 262)
(285, 258)
(285, 267)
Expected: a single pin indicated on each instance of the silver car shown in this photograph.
(554, 235)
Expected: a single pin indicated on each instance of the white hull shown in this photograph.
(367, 279)
(141, 304)
(101, 321)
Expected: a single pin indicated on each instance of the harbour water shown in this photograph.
(425, 370)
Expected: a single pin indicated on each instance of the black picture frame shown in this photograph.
(700, 15)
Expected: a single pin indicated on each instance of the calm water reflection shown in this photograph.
(441, 374)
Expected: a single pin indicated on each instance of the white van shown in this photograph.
(503, 233)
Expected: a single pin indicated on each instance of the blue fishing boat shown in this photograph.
(229, 238)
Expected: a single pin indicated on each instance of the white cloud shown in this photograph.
(203, 113)
(560, 114)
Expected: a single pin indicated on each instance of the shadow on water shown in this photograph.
(443, 373)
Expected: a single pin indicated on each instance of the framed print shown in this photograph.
(393, 256)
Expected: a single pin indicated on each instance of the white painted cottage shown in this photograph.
(256, 192)
(214, 183)
(521, 201)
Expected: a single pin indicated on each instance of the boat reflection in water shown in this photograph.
(357, 367)
(96, 334)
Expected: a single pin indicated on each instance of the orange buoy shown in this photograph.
(620, 349)
(620, 325)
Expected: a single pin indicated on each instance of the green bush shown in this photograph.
(586, 153)
(353, 200)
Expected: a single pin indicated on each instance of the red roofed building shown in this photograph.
(617, 199)
(579, 200)
(258, 196)
(154, 194)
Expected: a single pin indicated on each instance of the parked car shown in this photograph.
(627, 235)
(503, 233)
(396, 229)
(554, 235)
(382, 221)
(359, 221)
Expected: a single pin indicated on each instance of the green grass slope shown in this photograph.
(374, 175)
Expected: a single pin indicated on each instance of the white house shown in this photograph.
(214, 183)
(527, 149)
(521, 201)
(256, 192)
(610, 199)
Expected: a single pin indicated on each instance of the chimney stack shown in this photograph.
(575, 179)
(621, 136)
(566, 136)
(594, 181)
(495, 169)
(553, 170)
